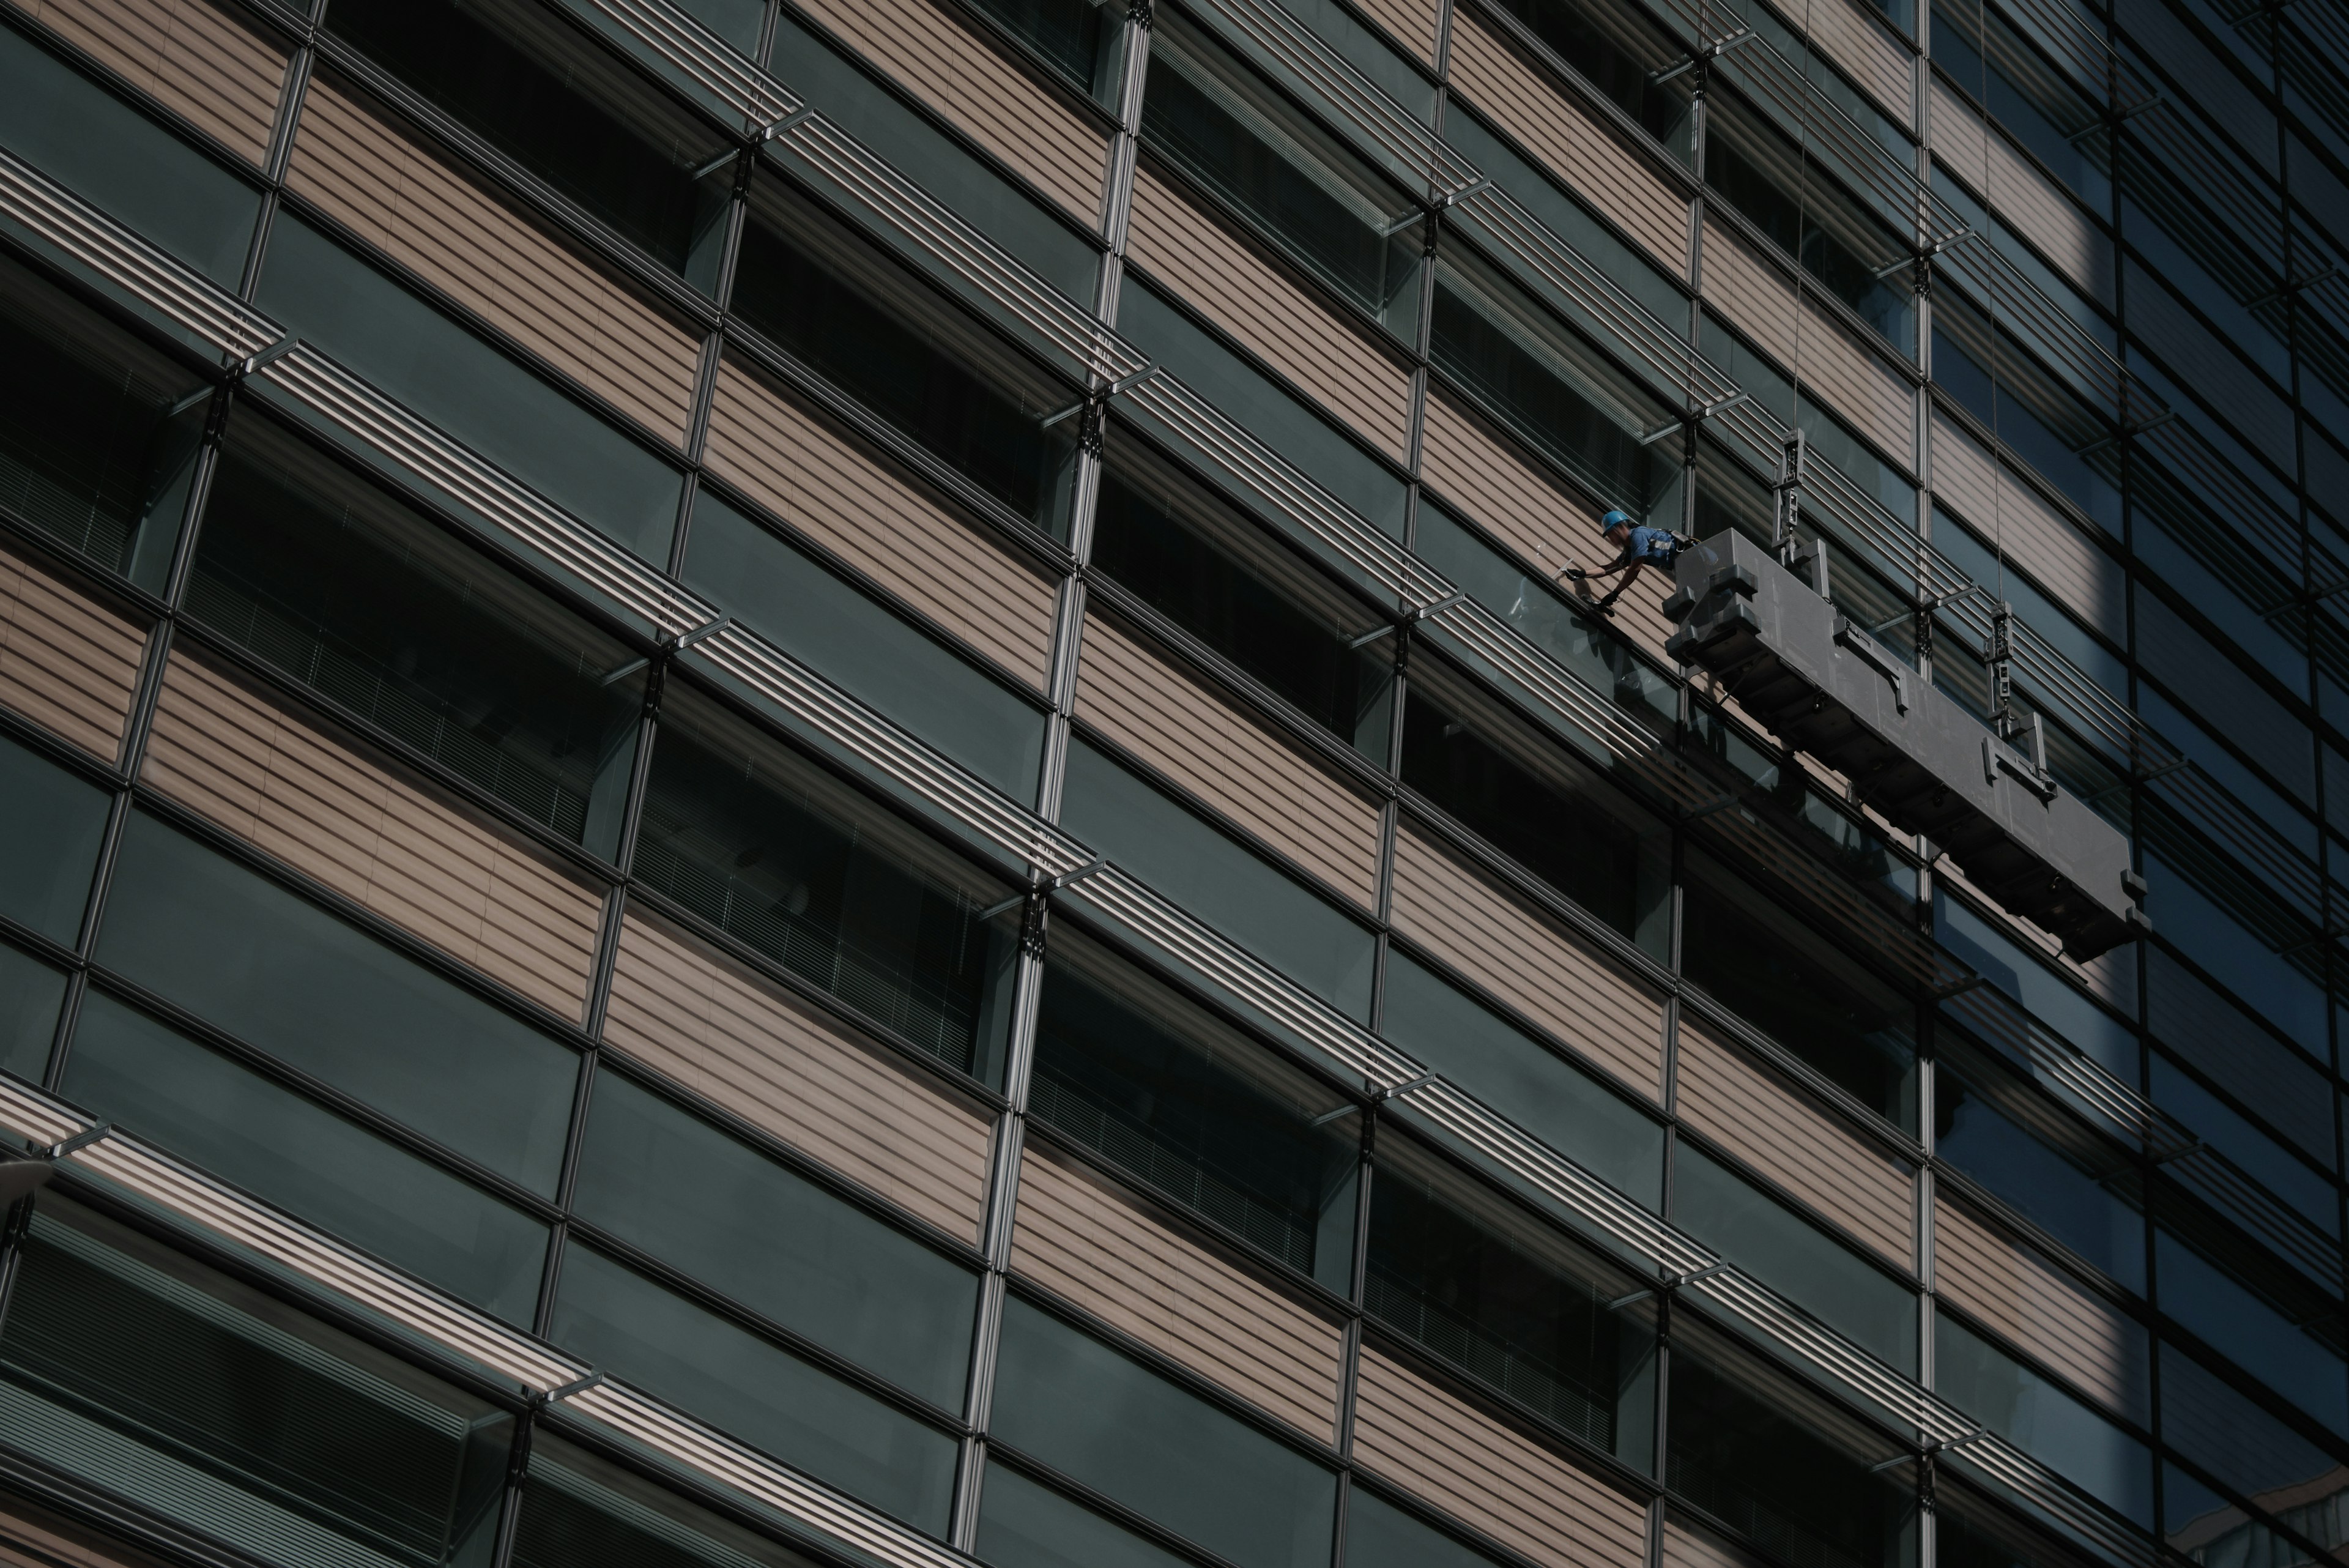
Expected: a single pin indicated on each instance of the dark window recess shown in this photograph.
(92, 451)
(1562, 824)
(1621, 57)
(1216, 576)
(327, 578)
(763, 845)
(1074, 36)
(1186, 1105)
(856, 319)
(1222, 125)
(1790, 982)
(1752, 1450)
(527, 81)
(1509, 1302)
(261, 1405)
(579, 1511)
(1796, 205)
(1476, 341)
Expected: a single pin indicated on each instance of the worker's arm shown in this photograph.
(1617, 591)
(1625, 559)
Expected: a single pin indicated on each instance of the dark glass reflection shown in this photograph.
(253, 1405)
(1743, 1447)
(1752, 180)
(91, 452)
(1584, 851)
(1504, 1309)
(1194, 114)
(2007, 1137)
(1527, 390)
(1138, 1080)
(761, 845)
(581, 1511)
(1143, 542)
(521, 79)
(869, 331)
(315, 571)
(1780, 976)
(1614, 66)
(1069, 34)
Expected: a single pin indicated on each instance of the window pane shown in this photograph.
(808, 611)
(30, 995)
(761, 1393)
(529, 84)
(1537, 804)
(764, 845)
(56, 820)
(1075, 36)
(2042, 1419)
(1025, 1524)
(90, 450)
(251, 958)
(469, 388)
(1169, 1456)
(1818, 1004)
(694, 1198)
(1531, 1083)
(139, 173)
(832, 301)
(2263, 1316)
(341, 588)
(139, 1370)
(1510, 1301)
(1621, 53)
(1222, 124)
(1761, 1455)
(219, 1115)
(579, 1511)
(2216, 1427)
(1381, 1535)
(1213, 574)
(1185, 1104)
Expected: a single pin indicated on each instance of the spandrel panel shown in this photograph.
(250, 956)
(224, 1117)
(56, 820)
(685, 1193)
(1026, 1524)
(31, 994)
(581, 1510)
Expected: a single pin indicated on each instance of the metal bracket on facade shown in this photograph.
(277, 350)
(577, 1385)
(2295, 284)
(1938, 1446)
(1719, 803)
(678, 644)
(1411, 616)
(1102, 395)
(2127, 432)
(775, 128)
(1377, 1098)
(1693, 417)
(1705, 55)
(1449, 199)
(1930, 606)
(1669, 1282)
(80, 1140)
(1049, 885)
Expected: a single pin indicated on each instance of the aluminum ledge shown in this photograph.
(1824, 685)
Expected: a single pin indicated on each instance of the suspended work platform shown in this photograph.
(1824, 686)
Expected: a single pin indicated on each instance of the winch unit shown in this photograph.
(1823, 685)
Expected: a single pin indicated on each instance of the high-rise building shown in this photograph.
(858, 781)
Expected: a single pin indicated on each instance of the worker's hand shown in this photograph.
(1576, 572)
(1607, 605)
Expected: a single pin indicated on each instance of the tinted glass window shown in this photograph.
(31, 992)
(856, 319)
(525, 79)
(1161, 1088)
(1076, 37)
(350, 593)
(760, 843)
(92, 452)
(580, 1511)
(55, 823)
(1621, 55)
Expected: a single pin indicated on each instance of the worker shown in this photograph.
(1640, 546)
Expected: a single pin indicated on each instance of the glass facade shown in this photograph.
(891, 825)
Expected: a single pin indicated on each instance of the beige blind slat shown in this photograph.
(1576, 147)
(2008, 513)
(1548, 974)
(879, 523)
(193, 59)
(2033, 204)
(1113, 1260)
(67, 663)
(463, 241)
(934, 55)
(1845, 374)
(1330, 358)
(260, 770)
(1867, 1195)
(2038, 1308)
(1414, 23)
(1229, 759)
(1488, 1476)
(1546, 525)
(1686, 1547)
(750, 1046)
(1880, 63)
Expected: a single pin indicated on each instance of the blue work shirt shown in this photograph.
(1655, 547)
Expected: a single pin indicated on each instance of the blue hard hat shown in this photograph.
(1612, 518)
